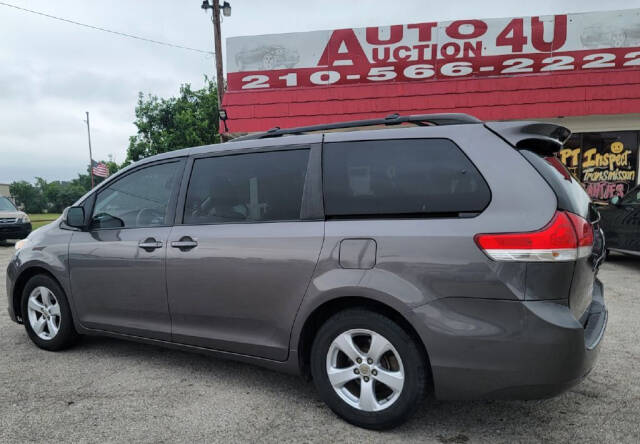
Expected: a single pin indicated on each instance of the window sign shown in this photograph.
(606, 163)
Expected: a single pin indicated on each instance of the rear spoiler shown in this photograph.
(541, 138)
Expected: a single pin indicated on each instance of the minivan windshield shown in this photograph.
(6, 205)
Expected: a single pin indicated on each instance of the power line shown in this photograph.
(97, 28)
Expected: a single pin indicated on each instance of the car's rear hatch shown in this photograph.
(539, 143)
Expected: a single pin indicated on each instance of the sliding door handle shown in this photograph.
(149, 244)
(185, 243)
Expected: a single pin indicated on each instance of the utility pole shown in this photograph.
(217, 39)
(218, 48)
(90, 155)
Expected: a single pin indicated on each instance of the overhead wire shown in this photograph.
(110, 31)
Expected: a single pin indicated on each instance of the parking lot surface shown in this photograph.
(116, 391)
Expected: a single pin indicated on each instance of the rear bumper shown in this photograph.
(498, 349)
(14, 231)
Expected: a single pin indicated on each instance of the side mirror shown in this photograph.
(75, 217)
(615, 200)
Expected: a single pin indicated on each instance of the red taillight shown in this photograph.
(584, 231)
(566, 238)
(558, 165)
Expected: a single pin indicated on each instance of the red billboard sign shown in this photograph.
(431, 51)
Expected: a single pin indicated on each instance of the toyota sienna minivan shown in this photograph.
(421, 253)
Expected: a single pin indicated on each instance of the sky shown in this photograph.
(52, 72)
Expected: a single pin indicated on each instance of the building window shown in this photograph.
(605, 162)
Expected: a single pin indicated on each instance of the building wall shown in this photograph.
(566, 65)
(598, 122)
(525, 97)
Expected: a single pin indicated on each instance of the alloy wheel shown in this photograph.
(44, 313)
(365, 370)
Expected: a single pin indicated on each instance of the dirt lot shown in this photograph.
(116, 391)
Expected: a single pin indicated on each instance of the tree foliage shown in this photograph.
(191, 119)
(55, 196)
(27, 196)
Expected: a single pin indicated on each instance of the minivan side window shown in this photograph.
(139, 199)
(253, 187)
(417, 177)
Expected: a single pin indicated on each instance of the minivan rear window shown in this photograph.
(418, 177)
(570, 194)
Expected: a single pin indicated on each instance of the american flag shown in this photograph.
(100, 169)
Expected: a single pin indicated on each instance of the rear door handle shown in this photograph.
(185, 243)
(149, 244)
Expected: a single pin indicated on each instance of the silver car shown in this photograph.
(442, 254)
(14, 224)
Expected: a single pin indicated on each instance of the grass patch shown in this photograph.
(39, 220)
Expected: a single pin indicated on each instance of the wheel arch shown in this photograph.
(21, 281)
(328, 308)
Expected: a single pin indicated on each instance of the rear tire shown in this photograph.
(365, 400)
(46, 314)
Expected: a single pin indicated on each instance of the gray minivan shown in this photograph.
(419, 253)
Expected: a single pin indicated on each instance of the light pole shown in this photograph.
(90, 155)
(215, 18)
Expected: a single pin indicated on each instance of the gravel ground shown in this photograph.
(116, 391)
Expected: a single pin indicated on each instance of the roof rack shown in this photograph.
(392, 119)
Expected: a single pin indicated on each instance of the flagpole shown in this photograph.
(90, 155)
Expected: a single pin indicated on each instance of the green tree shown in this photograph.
(59, 195)
(191, 119)
(55, 196)
(27, 196)
(50, 192)
(113, 167)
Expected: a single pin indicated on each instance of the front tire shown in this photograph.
(47, 315)
(368, 369)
